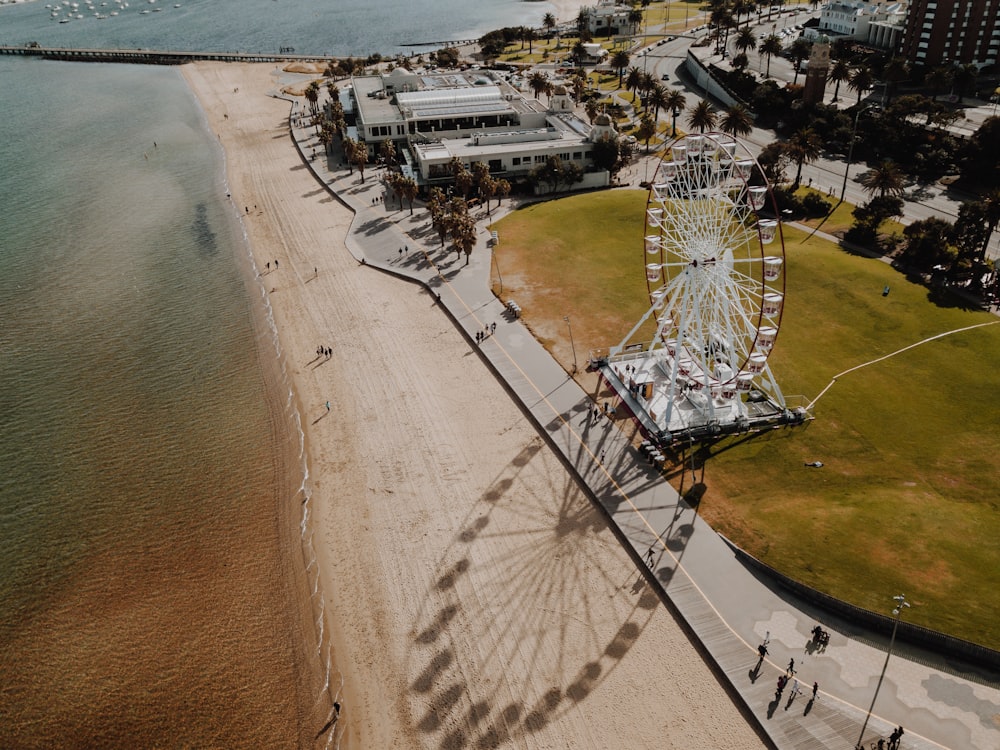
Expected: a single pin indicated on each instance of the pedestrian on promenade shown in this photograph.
(791, 667)
(602, 457)
(493, 327)
(649, 557)
(815, 689)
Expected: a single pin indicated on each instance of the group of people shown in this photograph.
(324, 352)
(894, 738)
(487, 331)
(820, 637)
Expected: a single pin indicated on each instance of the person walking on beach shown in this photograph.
(327, 407)
(275, 265)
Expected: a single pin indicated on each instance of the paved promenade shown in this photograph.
(727, 609)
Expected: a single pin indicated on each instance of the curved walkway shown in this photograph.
(725, 606)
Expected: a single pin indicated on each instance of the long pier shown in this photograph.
(151, 56)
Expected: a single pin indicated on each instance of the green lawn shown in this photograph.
(907, 498)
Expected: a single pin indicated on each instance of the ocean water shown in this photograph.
(153, 586)
(327, 27)
(147, 582)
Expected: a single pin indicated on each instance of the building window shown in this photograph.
(516, 161)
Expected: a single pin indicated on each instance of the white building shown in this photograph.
(608, 18)
(878, 25)
(474, 116)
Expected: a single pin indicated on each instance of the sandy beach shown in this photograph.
(473, 595)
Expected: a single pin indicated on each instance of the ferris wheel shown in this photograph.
(714, 262)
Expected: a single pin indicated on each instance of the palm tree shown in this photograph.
(530, 36)
(502, 190)
(591, 108)
(840, 72)
(886, 178)
(312, 95)
(798, 52)
(675, 103)
(702, 116)
(720, 18)
(647, 129)
(770, 46)
(736, 121)
(633, 79)
(538, 82)
(938, 80)
(860, 80)
(408, 188)
(635, 19)
(619, 61)
(745, 39)
(549, 22)
(804, 146)
(387, 150)
(963, 78)
(657, 99)
(896, 71)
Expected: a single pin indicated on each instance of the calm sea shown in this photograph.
(148, 597)
(333, 27)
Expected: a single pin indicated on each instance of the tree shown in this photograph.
(938, 80)
(861, 80)
(463, 177)
(770, 46)
(774, 160)
(797, 53)
(657, 98)
(538, 82)
(549, 22)
(647, 129)
(409, 190)
(675, 102)
(839, 72)
(741, 62)
(963, 78)
(981, 156)
(487, 189)
(502, 190)
(635, 19)
(736, 121)
(619, 61)
(387, 150)
(804, 146)
(583, 23)
(349, 145)
(591, 108)
(886, 179)
(745, 39)
(633, 79)
(607, 154)
(970, 231)
(869, 217)
(702, 116)
(926, 244)
(312, 95)
(895, 72)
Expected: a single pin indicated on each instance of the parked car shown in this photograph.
(665, 77)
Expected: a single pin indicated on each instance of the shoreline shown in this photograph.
(473, 596)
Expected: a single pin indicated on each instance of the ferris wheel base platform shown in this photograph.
(687, 425)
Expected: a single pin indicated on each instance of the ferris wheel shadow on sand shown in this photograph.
(539, 640)
(714, 264)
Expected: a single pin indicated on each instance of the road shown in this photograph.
(922, 201)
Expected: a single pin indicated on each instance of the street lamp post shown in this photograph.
(673, 125)
(572, 345)
(898, 612)
(850, 151)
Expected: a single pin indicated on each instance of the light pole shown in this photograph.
(850, 151)
(898, 611)
(572, 345)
